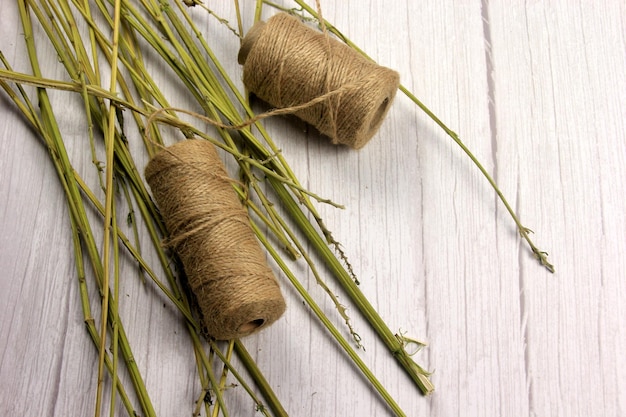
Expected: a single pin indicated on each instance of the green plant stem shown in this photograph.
(114, 319)
(224, 376)
(109, 231)
(524, 231)
(261, 383)
(77, 87)
(89, 321)
(257, 11)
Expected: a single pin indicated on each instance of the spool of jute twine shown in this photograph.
(287, 64)
(236, 291)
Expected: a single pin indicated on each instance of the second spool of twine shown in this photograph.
(287, 64)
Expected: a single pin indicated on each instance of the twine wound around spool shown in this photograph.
(287, 64)
(235, 289)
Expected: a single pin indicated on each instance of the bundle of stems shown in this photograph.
(186, 53)
(82, 32)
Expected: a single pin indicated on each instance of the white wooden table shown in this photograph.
(536, 89)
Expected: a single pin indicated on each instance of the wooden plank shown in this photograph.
(559, 94)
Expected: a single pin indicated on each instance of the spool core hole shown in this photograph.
(380, 112)
(251, 325)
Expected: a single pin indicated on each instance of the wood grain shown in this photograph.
(536, 89)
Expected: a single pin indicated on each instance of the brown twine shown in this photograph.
(226, 269)
(288, 64)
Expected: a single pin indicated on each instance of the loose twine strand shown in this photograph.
(235, 290)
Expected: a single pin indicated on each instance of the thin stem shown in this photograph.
(115, 318)
(77, 87)
(524, 231)
(262, 383)
(258, 9)
(540, 255)
(222, 382)
(238, 377)
(239, 20)
(108, 209)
